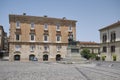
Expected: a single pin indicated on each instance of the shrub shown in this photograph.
(97, 58)
(103, 58)
(93, 55)
(114, 57)
(85, 53)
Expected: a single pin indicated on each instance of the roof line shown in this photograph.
(111, 25)
(44, 17)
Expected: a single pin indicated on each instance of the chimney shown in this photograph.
(45, 15)
(64, 18)
(24, 14)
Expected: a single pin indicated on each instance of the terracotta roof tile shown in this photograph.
(88, 43)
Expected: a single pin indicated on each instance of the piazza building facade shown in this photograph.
(92, 46)
(3, 43)
(39, 38)
(110, 42)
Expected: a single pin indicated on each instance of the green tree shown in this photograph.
(86, 53)
(93, 55)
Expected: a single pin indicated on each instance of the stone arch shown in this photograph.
(45, 57)
(58, 57)
(17, 57)
(31, 57)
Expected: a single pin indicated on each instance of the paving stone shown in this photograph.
(57, 71)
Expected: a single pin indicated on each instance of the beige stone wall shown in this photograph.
(24, 52)
(25, 30)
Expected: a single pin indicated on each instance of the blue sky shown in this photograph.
(91, 15)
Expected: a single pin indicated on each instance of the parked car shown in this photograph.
(35, 59)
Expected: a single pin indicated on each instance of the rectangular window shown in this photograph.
(45, 27)
(32, 47)
(70, 28)
(104, 39)
(58, 48)
(17, 37)
(32, 25)
(45, 37)
(32, 37)
(17, 47)
(104, 49)
(58, 27)
(58, 37)
(17, 24)
(112, 48)
(113, 36)
(46, 48)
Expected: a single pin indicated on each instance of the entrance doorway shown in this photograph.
(31, 57)
(45, 57)
(16, 57)
(1, 55)
(58, 57)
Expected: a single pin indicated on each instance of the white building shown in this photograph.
(110, 42)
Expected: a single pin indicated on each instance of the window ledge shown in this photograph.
(32, 28)
(46, 41)
(57, 30)
(32, 41)
(45, 29)
(58, 41)
(31, 50)
(69, 30)
(17, 27)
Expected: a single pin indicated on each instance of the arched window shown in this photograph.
(31, 57)
(16, 57)
(58, 57)
(45, 57)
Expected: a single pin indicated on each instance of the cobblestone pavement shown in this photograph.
(57, 71)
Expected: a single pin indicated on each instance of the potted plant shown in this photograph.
(103, 58)
(114, 57)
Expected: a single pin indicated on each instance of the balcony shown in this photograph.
(46, 33)
(32, 31)
(58, 33)
(58, 30)
(18, 31)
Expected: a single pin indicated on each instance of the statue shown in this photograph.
(70, 39)
(71, 42)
